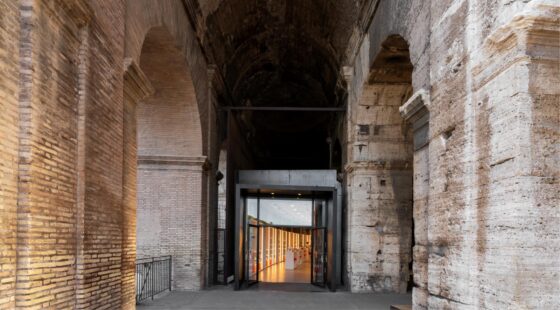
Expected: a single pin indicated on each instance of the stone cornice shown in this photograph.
(530, 35)
(136, 85)
(198, 161)
(416, 106)
(538, 16)
(377, 166)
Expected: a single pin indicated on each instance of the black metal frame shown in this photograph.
(153, 276)
(331, 237)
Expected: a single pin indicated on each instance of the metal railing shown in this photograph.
(153, 276)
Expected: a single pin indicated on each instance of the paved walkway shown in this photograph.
(273, 300)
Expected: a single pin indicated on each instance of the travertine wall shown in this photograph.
(379, 191)
(492, 231)
(485, 188)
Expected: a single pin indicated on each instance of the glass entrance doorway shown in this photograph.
(279, 245)
(283, 237)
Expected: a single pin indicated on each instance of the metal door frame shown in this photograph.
(332, 231)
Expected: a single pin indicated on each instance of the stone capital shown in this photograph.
(348, 74)
(417, 106)
(136, 85)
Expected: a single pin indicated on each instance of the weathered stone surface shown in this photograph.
(478, 176)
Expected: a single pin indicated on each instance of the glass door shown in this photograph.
(319, 244)
(253, 254)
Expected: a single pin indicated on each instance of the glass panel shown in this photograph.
(318, 273)
(319, 214)
(253, 253)
(283, 211)
(252, 210)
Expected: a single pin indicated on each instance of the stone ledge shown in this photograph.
(198, 161)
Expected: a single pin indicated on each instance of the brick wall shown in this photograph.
(171, 219)
(63, 54)
(47, 156)
(9, 121)
(170, 216)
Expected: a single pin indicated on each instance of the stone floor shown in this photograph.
(279, 274)
(273, 300)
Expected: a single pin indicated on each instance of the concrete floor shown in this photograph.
(273, 300)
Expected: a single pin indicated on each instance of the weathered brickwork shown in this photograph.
(9, 121)
(110, 137)
(169, 221)
(48, 104)
(170, 186)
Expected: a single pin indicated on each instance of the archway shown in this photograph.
(380, 176)
(170, 177)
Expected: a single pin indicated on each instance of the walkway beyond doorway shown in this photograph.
(226, 298)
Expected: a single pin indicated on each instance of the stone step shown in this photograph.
(401, 307)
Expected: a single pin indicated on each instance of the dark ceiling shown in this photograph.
(282, 53)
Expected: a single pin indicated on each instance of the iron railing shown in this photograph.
(153, 276)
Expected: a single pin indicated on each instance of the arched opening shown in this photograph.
(170, 178)
(380, 176)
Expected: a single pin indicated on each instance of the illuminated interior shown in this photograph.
(279, 238)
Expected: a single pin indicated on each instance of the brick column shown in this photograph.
(136, 87)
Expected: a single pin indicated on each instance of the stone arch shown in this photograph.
(380, 160)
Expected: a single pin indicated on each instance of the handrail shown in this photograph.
(153, 276)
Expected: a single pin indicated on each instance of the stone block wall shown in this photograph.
(488, 195)
(379, 188)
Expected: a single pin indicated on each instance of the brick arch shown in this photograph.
(168, 120)
(142, 17)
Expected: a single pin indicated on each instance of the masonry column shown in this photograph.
(415, 112)
(209, 239)
(136, 88)
(379, 187)
(516, 133)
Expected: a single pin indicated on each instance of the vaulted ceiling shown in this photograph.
(284, 53)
